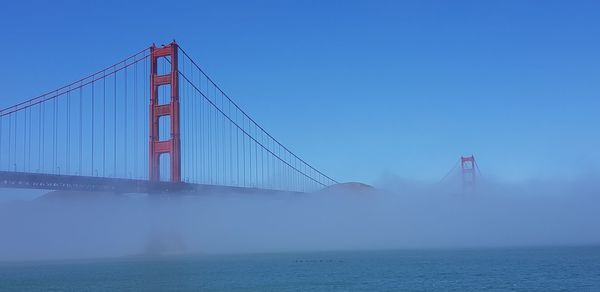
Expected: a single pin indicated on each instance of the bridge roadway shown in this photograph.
(26, 180)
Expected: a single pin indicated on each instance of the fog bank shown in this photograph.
(398, 214)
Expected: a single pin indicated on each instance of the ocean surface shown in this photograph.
(524, 269)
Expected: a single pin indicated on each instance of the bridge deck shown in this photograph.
(25, 180)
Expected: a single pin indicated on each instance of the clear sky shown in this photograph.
(358, 88)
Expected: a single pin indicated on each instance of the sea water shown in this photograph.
(507, 269)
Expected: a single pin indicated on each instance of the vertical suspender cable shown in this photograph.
(145, 111)
(80, 130)
(237, 149)
(182, 100)
(15, 144)
(68, 166)
(262, 160)
(104, 125)
(223, 139)
(55, 136)
(256, 154)
(249, 154)
(209, 137)
(16, 140)
(125, 151)
(39, 138)
(10, 130)
(53, 167)
(1, 150)
(135, 120)
(230, 147)
(216, 142)
(115, 126)
(25, 130)
(244, 149)
(92, 128)
(202, 137)
(192, 132)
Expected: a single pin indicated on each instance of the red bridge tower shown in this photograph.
(172, 146)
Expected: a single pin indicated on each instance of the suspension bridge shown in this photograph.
(467, 169)
(152, 122)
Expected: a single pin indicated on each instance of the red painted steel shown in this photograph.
(171, 109)
(467, 165)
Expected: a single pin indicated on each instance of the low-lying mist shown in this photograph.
(395, 215)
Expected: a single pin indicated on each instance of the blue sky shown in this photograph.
(360, 89)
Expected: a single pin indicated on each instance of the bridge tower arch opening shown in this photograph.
(160, 109)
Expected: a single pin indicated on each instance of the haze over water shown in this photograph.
(533, 236)
(394, 216)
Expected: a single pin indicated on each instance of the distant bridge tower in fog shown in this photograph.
(468, 172)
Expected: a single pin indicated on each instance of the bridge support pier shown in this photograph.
(171, 146)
